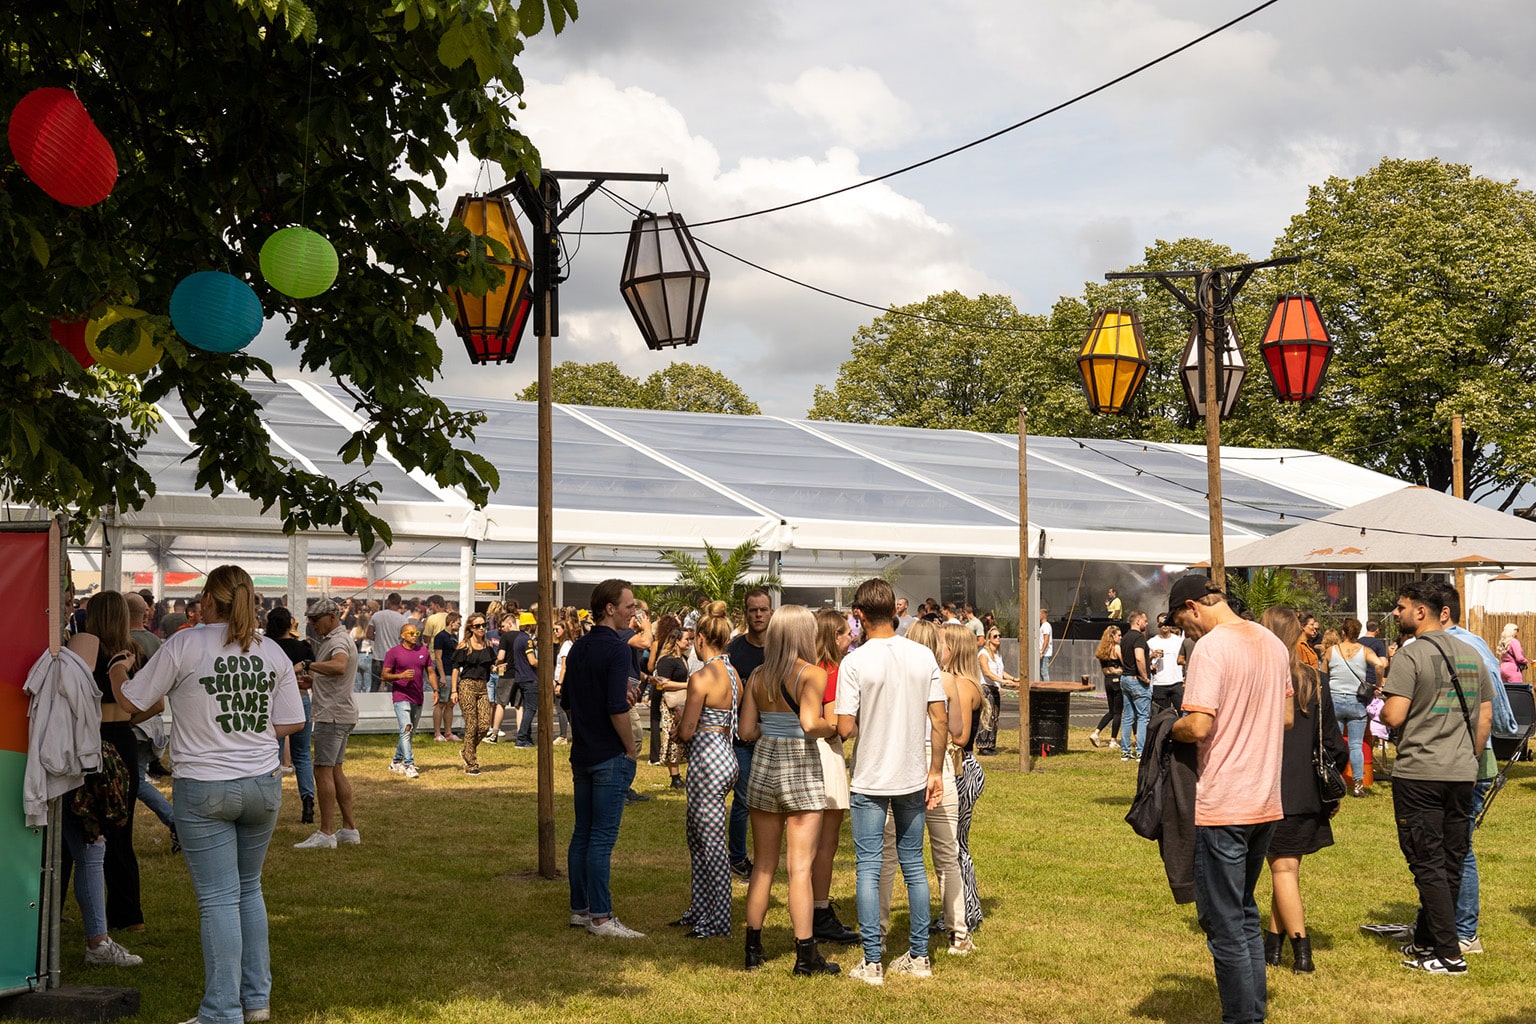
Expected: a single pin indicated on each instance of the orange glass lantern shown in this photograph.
(1296, 348)
(1113, 361)
(491, 325)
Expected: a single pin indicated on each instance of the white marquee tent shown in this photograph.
(825, 498)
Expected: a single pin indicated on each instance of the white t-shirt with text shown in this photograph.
(224, 702)
(887, 685)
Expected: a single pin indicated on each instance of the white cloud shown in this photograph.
(850, 106)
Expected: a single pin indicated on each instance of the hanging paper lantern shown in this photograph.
(299, 262)
(60, 148)
(71, 336)
(216, 311)
(141, 358)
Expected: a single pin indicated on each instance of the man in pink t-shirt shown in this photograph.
(1236, 711)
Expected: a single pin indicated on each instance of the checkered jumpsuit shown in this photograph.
(711, 775)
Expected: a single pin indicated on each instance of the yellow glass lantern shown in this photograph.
(489, 324)
(1113, 361)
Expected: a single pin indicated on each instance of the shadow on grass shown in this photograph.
(1181, 997)
(1117, 800)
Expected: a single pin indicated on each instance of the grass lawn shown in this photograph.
(439, 917)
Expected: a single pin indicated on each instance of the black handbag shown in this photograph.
(1330, 781)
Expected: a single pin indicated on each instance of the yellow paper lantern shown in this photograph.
(139, 359)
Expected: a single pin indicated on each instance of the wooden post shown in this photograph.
(1458, 488)
(1206, 294)
(1027, 628)
(545, 265)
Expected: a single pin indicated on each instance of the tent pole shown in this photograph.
(467, 578)
(298, 573)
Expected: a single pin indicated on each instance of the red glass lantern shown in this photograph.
(491, 325)
(1296, 348)
(60, 148)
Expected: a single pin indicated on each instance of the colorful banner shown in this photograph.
(28, 583)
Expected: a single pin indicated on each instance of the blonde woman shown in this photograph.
(832, 640)
(962, 669)
(227, 786)
(472, 662)
(1512, 661)
(784, 712)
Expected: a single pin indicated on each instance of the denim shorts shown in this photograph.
(330, 740)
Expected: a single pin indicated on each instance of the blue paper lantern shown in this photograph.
(216, 312)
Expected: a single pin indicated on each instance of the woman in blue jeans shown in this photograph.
(233, 695)
(1345, 660)
(280, 627)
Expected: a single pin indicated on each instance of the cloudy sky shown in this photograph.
(748, 105)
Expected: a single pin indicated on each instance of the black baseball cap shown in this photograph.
(1191, 587)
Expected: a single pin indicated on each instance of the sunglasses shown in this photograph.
(477, 625)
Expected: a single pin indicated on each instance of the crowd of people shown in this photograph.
(750, 717)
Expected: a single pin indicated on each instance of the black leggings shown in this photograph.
(1116, 706)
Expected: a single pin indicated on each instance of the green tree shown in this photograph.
(721, 576)
(231, 119)
(573, 383)
(692, 387)
(681, 387)
(1426, 277)
(949, 361)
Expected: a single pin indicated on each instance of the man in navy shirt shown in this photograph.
(595, 691)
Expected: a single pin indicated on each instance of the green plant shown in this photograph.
(719, 577)
(1268, 587)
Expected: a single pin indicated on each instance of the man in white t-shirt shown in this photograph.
(1167, 673)
(890, 696)
(1047, 644)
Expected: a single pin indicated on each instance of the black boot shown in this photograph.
(1301, 946)
(825, 927)
(308, 817)
(1274, 945)
(809, 961)
(755, 955)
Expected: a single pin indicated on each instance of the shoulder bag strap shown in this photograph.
(1466, 713)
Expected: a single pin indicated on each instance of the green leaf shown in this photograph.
(530, 17)
(453, 47)
(40, 249)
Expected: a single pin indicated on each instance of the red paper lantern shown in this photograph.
(71, 336)
(1296, 348)
(60, 148)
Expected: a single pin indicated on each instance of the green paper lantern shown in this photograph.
(299, 262)
(139, 359)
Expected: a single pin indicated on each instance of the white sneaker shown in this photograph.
(411, 772)
(868, 973)
(916, 966)
(110, 954)
(613, 928)
(349, 837)
(1472, 945)
(318, 841)
(259, 1014)
(397, 767)
(580, 919)
(961, 945)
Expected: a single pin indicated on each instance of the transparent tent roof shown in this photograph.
(637, 479)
